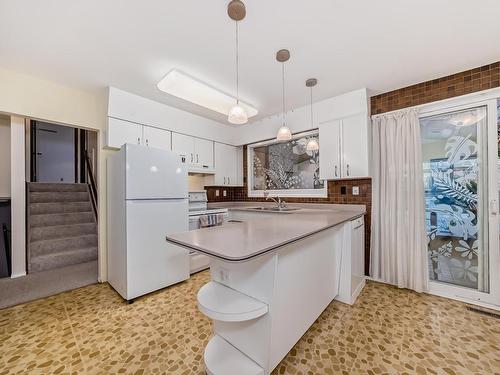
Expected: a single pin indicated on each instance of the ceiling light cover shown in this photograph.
(284, 134)
(237, 115)
(186, 87)
(312, 145)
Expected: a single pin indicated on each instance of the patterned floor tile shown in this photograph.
(92, 330)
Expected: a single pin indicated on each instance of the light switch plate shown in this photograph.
(224, 193)
(355, 190)
(217, 193)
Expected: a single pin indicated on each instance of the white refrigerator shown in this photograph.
(147, 195)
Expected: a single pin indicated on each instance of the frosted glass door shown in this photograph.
(454, 151)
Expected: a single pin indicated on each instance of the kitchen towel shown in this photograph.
(211, 220)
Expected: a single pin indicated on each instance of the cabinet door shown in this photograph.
(184, 146)
(329, 150)
(355, 146)
(225, 164)
(121, 132)
(204, 153)
(158, 138)
(239, 166)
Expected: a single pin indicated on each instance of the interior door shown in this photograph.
(54, 153)
(460, 157)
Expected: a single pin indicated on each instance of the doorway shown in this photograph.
(460, 159)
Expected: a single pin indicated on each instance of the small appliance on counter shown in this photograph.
(147, 199)
(198, 214)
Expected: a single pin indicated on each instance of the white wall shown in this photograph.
(299, 119)
(4, 156)
(134, 108)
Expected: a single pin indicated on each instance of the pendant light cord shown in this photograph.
(283, 79)
(312, 122)
(237, 68)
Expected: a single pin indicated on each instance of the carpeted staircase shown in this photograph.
(62, 230)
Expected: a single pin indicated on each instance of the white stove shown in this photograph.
(198, 208)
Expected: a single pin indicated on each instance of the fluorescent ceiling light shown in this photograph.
(185, 87)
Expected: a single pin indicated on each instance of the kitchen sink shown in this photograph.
(274, 209)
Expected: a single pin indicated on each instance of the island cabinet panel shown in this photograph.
(297, 281)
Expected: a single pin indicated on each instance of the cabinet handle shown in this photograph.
(224, 180)
(228, 181)
(191, 158)
(147, 142)
(347, 169)
(138, 140)
(197, 159)
(335, 170)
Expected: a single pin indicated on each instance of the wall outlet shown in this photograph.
(355, 190)
(217, 193)
(224, 193)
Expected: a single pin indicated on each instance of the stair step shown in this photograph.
(46, 220)
(57, 186)
(58, 196)
(62, 259)
(58, 208)
(61, 231)
(45, 247)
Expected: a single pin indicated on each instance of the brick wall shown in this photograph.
(478, 79)
(469, 81)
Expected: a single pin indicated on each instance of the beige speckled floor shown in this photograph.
(388, 331)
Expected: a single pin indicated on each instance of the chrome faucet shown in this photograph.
(280, 203)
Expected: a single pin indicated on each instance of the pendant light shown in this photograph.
(284, 133)
(237, 114)
(312, 143)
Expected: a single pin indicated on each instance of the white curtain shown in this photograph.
(398, 240)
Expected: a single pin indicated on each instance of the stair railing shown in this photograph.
(92, 184)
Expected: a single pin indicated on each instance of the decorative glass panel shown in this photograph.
(454, 180)
(286, 167)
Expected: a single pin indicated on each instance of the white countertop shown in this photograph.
(240, 241)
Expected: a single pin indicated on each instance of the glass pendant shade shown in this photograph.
(312, 145)
(237, 115)
(284, 134)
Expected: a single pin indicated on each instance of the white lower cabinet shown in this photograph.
(228, 165)
(344, 148)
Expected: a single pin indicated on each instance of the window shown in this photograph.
(285, 168)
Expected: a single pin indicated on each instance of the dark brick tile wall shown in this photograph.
(469, 81)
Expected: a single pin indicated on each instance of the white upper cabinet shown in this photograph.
(227, 165)
(344, 148)
(184, 146)
(204, 153)
(121, 132)
(355, 146)
(329, 150)
(198, 153)
(158, 138)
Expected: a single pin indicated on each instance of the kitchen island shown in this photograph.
(272, 275)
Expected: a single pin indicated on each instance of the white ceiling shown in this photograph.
(130, 44)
